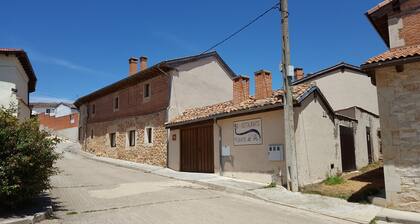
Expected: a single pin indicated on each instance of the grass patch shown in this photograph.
(334, 180)
(72, 213)
(271, 185)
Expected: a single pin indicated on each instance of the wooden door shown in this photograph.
(348, 157)
(197, 151)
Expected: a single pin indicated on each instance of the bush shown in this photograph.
(334, 180)
(27, 159)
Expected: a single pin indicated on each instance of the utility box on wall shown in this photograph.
(275, 152)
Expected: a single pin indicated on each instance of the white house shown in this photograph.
(17, 80)
(53, 109)
(351, 94)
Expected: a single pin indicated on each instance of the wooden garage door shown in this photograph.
(197, 152)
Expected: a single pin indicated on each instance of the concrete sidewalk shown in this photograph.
(333, 207)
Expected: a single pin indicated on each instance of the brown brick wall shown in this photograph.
(58, 123)
(411, 29)
(411, 22)
(263, 84)
(240, 89)
(154, 154)
(131, 101)
(399, 107)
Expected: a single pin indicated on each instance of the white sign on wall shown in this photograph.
(247, 132)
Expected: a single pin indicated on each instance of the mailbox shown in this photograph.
(275, 152)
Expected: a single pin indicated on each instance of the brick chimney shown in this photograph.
(132, 63)
(263, 84)
(143, 63)
(299, 73)
(240, 89)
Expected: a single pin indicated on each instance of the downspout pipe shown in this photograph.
(220, 147)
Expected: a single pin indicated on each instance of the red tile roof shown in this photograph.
(227, 107)
(396, 53)
(26, 64)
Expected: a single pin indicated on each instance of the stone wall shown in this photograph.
(399, 106)
(97, 139)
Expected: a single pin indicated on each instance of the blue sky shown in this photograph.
(79, 46)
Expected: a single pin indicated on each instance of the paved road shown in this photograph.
(88, 191)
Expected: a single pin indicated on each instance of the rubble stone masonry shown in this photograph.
(154, 153)
(399, 97)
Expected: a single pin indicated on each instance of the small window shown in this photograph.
(79, 134)
(112, 139)
(93, 108)
(116, 103)
(48, 111)
(91, 133)
(148, 136)
(132, 138)
(147, 90)
(71, 118)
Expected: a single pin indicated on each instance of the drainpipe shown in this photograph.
(220, 147)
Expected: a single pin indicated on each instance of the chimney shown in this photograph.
(240, 89)
(299, 73)
(132, 63)
(143, 63)
(263, 84)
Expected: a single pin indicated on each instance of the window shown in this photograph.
(148, 136)
(112, 139)
(132, 138)
(116, 103)
(71, 118)
(91, 133)
(146, 90)
(48, 111)
(93, 108)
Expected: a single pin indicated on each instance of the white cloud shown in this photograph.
(49, 99)
(36, 56)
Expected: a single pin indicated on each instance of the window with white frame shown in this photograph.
(132, 138)
(148, 135)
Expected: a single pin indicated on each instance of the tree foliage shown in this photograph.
(27, 159)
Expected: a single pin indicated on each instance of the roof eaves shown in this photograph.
(390, 62)
(327, 70)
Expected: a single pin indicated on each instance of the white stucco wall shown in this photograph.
(62, 110)
(174, 154)
(366, 120)
(315, 142)
(347, 89)
(199, 83)
(12, 75)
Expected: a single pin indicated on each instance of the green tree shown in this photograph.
(27, 159)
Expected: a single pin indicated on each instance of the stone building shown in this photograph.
(125, 120)
(396, 73)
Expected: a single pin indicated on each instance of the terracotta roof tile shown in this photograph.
(228, 106)
(396, 53)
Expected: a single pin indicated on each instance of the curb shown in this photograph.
(37, 217)
(390, 215)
